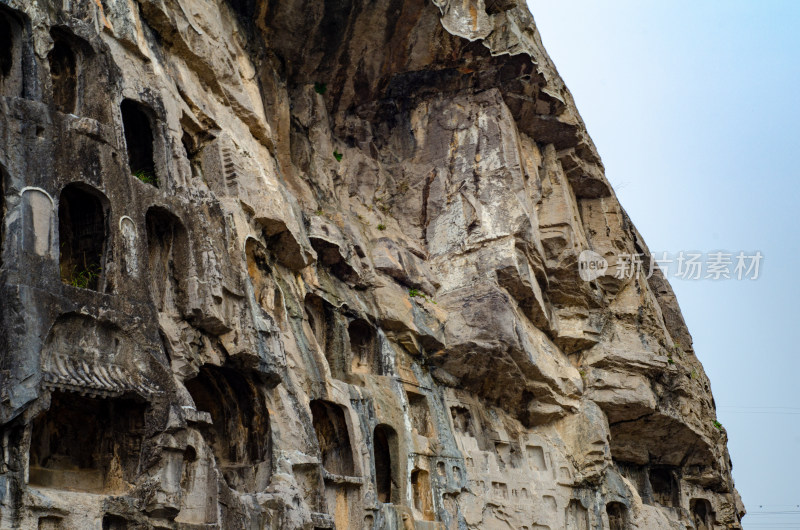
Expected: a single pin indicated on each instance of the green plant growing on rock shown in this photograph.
(381, 227)
(146, 176)
(337, 155)
(82, 278)
(416, 293)
(670, 360)
(718, 425)
(320, 88)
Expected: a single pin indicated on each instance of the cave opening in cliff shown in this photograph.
(363, 348)
(617, 516)
(419, 413)
(240, 435)
(333, 437)
(421, 487)
(384, 447)
(10, 55)
(82, 233)
(664, 486)
(702, 514)
(63, 76)
(86, 444)
(168, 259)
(138, 129)
(265, 289)
(6, 47)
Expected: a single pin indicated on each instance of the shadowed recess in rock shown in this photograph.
(333, 437)
(385, 456)
(63, 76)
(240, 431)
(168, 260)
(138, 128)
(82, 229)
(61, 457)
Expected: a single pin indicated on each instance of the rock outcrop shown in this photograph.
(314, 264)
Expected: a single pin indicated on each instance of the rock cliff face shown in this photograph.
(314, 264)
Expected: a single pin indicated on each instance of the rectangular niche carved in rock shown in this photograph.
(664, 486)
(365, 357)
(168, 260)
(11, 72)
(420, 413)
(139, 137)
(421, 486)
(86, 444)
(333, 437)
(63, 75)
(385, 458)
(240, 433)
(462, 421)
(536, 458)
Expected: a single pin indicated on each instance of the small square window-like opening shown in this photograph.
(139, 141)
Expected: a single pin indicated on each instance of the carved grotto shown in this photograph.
(313, 264)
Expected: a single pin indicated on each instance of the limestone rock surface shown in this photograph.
(315, 264)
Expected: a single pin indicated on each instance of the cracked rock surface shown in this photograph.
(315, 264)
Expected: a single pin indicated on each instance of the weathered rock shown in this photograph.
(309, 264)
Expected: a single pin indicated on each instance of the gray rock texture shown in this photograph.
(314, 264)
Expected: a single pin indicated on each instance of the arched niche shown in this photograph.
(702, 514)
(617, 516)
(168, 260)
(386, 458)
(38, 210)
(240, 432)
(137, 123)
(83, 232)
(423, 498)
(129, 236)
(333, 437)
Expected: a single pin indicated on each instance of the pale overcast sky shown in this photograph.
(694, 107)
